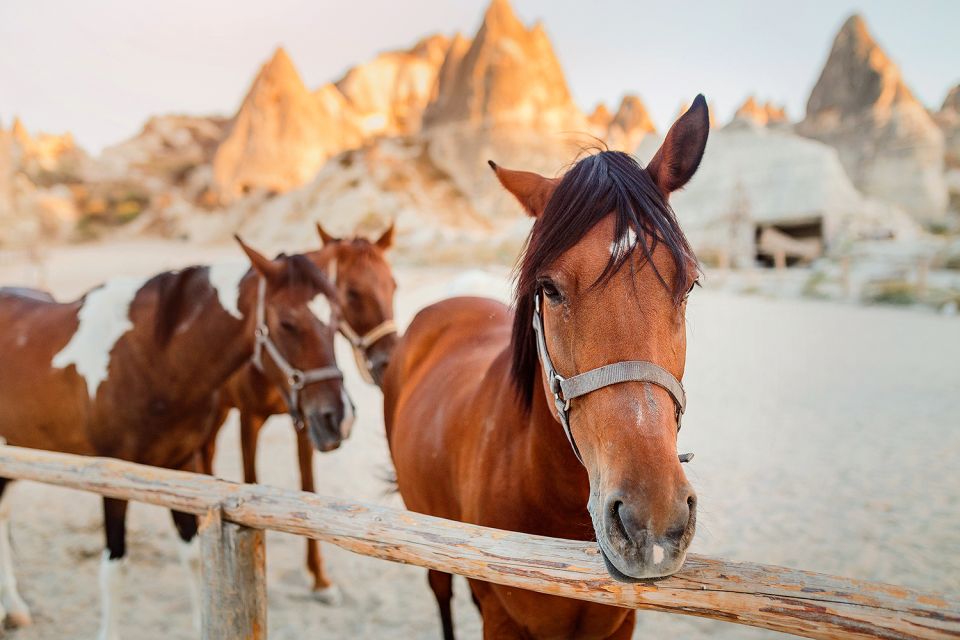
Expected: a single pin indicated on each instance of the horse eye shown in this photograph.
(550, 291)
(696, 283)
(353, 295)
(288, 326)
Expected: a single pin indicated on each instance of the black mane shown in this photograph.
(610, 181)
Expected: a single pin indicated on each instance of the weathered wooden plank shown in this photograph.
(233, 594)
(798, 602)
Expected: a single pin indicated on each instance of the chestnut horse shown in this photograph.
(478, 415)
(132, 370)
(361, 274)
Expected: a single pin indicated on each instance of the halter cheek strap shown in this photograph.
(296, 378)
(361, 344)
(566, 389)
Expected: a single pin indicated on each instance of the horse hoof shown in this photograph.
(330, 596)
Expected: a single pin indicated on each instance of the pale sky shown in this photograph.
(99, 68)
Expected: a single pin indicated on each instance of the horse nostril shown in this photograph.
(616, 519)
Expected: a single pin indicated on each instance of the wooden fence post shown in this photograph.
(233, 593)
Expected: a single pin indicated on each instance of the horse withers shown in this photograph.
(359, 271)
(132, 370)
(561, 418)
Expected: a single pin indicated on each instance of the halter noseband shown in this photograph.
(566, 389)
(296, 378)
(361, 344)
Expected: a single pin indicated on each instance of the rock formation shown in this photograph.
(504, 98)
(949, 120)
(509, 75)
(170, 153)
(763, 115)
(629, 125)
(282, 134)
(33, 205)
(887, 141)
(753, 176)
(48, 158)
(389, 93)
(599, 120)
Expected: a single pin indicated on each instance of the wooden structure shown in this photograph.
(234, 516)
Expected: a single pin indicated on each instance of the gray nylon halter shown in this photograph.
(566, 389)
(296, 378)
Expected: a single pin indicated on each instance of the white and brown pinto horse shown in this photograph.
(359, 271)
(574, 434)
(132, 370)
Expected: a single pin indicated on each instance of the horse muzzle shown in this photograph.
(633, 546)
(329, 424)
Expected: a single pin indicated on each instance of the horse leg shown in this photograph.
(189, 547)
(112, 566)
(497, 623)
(442, 585)
(250, 426)
(13, 608)
(323, 588)
(209, 448)
(625, 632)
(186, 524)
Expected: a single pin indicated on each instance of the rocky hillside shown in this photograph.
(887, 141)
(406, 136)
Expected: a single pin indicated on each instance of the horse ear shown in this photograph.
(679, 156)
(325, 237)
(264, 266)
(532, 190)
(385, 241)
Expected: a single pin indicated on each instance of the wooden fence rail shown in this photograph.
(798, 602)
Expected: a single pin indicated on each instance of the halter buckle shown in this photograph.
(296, 380)
(261, 331)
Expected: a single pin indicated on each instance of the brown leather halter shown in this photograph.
(361, 344)
(566, 389)
(296, 378)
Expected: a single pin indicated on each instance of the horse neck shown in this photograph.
(225, 341)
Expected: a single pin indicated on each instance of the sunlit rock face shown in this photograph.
(949, 120)
(765, 115)
(508, 75)
(629, 125)
(282, 134)
(888, 143)
(34, 205)
(389, 94)
(47, 158)
(504, 97)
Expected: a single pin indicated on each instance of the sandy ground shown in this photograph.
(826, 439)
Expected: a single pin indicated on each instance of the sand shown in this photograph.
(826, 439)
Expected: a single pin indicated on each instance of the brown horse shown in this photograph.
(132, 371)
(476, 420)
(361, 274)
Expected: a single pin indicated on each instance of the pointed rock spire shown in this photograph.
(508, 75)
(888, 143)
(282, 134)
